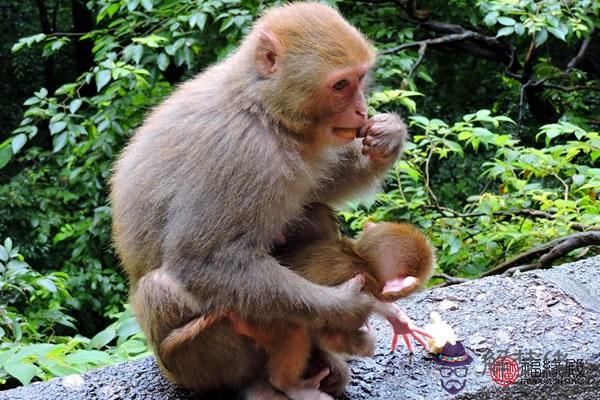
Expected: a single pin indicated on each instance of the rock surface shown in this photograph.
(527, 317)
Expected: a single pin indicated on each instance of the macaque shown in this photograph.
(392, 259)
(219, 168)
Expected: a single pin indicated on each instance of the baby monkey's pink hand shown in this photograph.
(402, 325)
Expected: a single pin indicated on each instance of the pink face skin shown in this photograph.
(344, 91)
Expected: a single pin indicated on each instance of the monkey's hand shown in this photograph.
(402, 325)
(383, 136)
(355, 308)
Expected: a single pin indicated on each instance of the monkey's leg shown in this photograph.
(288, 348)
(355, 342)
(334, 383)
(195, 354)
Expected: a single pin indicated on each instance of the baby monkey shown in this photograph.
(390, 260)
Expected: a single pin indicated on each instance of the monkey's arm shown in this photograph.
(257, 288)
(363, 163)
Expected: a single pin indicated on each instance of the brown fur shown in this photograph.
(222, 166)
(315, 250)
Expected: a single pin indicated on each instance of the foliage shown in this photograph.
(557, 180)
(504, 151)
(32, 317)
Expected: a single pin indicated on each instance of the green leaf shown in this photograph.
(519, 29)
(226, 24)
(87, 357)
(540, 37)
(23, 372)
(491, 18)
(5, 155)
(60, 369)
(134, 52)
(102, 338)
(31, 101)
(147, 4)
(47, 284)
(74, 106)
(57, 127)
(18, 142)
(128, 328)
(557, 33)
(8, 244)
(3, 254)
(506, 31)
(198, 19)
(59, 141)
(102, 78)
(132, 5)
(163, 61)
(506, 21)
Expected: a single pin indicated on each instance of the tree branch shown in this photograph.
(433, 41)
(452, 280)
(548, 252)
(582, 53)
(569, 243)
(524, 212)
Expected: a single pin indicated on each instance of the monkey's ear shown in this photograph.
(268, 53)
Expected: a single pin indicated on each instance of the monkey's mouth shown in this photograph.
(345, 133)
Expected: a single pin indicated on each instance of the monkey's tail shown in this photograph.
(183, 335)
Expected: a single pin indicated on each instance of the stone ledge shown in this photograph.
(538, 311)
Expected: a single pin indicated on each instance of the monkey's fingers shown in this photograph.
(423, 332)
(362, 132)
(394, 342)
(409, 345)
(420, 339)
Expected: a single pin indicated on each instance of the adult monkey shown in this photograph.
(217, 171)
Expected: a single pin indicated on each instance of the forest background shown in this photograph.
(502, 172)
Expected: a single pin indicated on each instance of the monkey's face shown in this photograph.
(343, 106)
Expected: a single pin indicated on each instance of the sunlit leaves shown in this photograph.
(539, 19)
(391, 97)
(102, 78)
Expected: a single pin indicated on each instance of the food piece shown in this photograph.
(441, 332)
(345, 133)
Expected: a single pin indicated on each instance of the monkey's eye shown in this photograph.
(360, 78)
(340, 85)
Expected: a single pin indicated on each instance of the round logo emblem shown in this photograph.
(504, 371)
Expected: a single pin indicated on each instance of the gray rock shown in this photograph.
(529, 317)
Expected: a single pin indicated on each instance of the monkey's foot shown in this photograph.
(307, 394)
(307, 389)
(315, 381)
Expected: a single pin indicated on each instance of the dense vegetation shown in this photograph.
(502, 99)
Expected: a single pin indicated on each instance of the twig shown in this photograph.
(427, 161)
(555, 248)
(521, 106)
(522, 268)
(452, 280)
(524, 212)
(565, 185)
(570, 88)
(582, 53)
(456, 37)
(422, 50)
